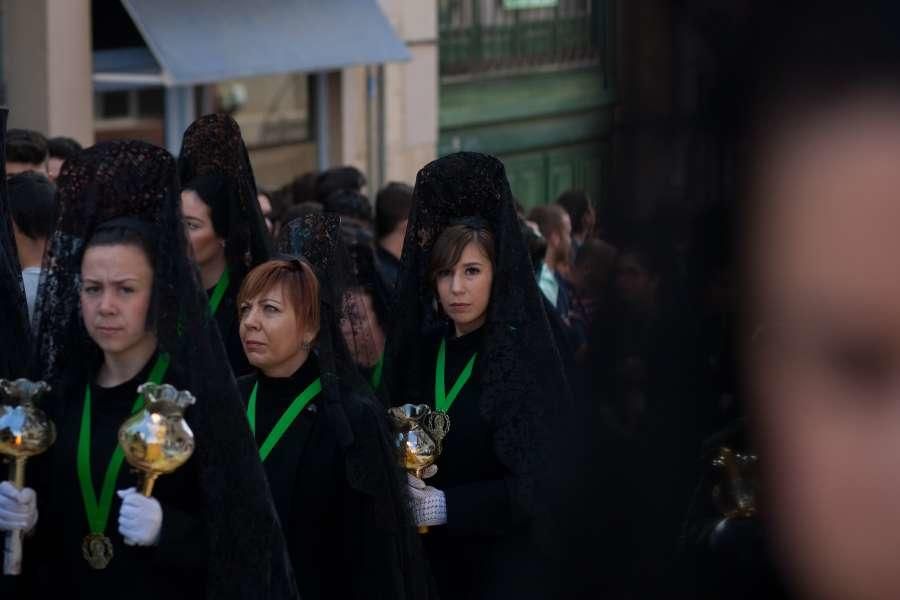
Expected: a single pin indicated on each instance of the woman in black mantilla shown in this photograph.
(471, 338)
(225, 226)
(119, 305)
(13, 308)
(323, 438)
(15, 505)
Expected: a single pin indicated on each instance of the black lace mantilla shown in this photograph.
(212, 147)
(522, 375)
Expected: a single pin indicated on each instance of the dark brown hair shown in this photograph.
(392, 206)
(449, 246)
(577, 203)
(549, 218)
(300, 284)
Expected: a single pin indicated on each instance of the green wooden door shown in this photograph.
(561, 174)
(527, 178)
(540, 177)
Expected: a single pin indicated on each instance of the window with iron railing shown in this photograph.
(487, 36)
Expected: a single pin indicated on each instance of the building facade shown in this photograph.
(96, 70)
(532, 82)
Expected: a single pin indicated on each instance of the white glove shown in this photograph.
(140, 518)
(429, 505)
(419, 484)
(18, 508)
(429, 471)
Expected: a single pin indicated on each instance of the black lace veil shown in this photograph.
(362, 252)
(358, 418)
(318, 239)
(214, 162)
(523, 382)
(138, 182)
(14, 328)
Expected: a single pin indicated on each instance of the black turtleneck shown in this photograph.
(468, 453)
(308, 483)
(173, 568)
(275, 394)
(388, 267)
(479, 535)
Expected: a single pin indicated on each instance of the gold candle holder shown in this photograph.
(157, 440)
(419, 433)
(25, 431)
(735, 493)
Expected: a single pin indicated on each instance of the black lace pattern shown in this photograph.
(213, 147)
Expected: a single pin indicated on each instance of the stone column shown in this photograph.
(47, 61)
(411, 90)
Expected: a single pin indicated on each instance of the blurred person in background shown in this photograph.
(537, 246)
(303, 188)
(392, 206)
(556, 228)
(822, 327)
(591, 276)
(300, 190)
(338, 179)
(562, 333)
(26, 150)
(626, 340)
(639, 367)
(60, 149)
(352, 206)
(266, 206)
(640, 272)
(582, 216)
(32, 208)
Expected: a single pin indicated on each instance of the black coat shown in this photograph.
(388, 267)
(485, 546)
(331, 531)
(175, 568)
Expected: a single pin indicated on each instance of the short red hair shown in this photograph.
(300, 284)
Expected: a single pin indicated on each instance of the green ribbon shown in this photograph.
(286, 419)
(443, 400)
(376, 373)
(219, 292)
(98, 512)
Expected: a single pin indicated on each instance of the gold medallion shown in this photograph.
(97, 550)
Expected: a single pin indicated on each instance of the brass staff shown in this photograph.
(157, 440)
(25, 431)
(418, 436)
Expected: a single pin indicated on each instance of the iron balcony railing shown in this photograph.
(483, 36)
